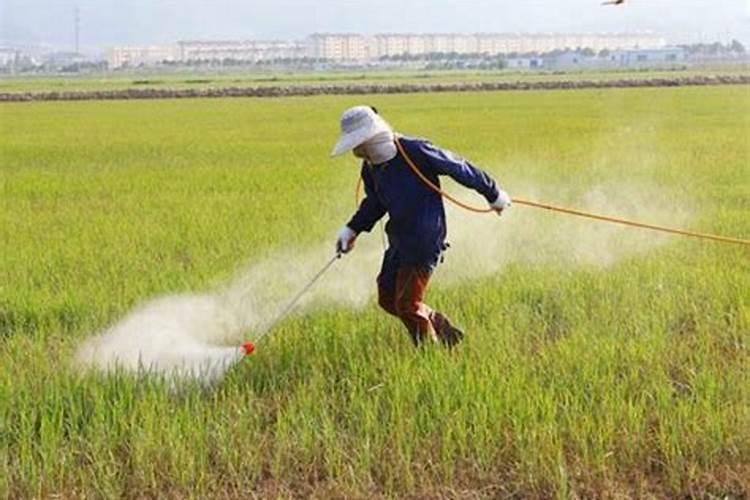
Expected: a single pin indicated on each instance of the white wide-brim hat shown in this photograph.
(358, 125)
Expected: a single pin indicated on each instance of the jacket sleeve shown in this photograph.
(444, 162)
(370, 209)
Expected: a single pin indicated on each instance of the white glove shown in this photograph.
(502, 202)
(345, 240)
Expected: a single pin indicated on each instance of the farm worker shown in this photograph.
(416, 227)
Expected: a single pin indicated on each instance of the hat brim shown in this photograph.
(351, 140)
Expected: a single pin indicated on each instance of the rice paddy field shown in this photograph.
(213, 79)
(600, 361)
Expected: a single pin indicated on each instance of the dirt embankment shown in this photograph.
(359, 89)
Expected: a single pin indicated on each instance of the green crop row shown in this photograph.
(600, 361)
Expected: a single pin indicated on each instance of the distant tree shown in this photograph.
(715, 48)
(604, 53)
(71, 68)
(587, 52)
(737, 47)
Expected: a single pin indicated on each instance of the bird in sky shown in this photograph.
(614, 2)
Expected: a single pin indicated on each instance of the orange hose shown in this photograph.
(617, 220)
(434, 187)
(570, 211)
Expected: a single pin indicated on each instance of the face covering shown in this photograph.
(380, 148)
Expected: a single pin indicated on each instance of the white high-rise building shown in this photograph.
(505, 43)
(8, 56)
(356, 48)
(240, 50)
(146, 55)
(207, 50)
(338, 47)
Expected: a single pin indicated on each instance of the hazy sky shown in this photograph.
(110, 22)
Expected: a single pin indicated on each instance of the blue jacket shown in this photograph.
(416, 227)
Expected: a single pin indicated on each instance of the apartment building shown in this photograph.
(142, 55)
(489, 43)
(9, 56)
(240, 50)
(207, 50)
(352, 47)
(338, 47)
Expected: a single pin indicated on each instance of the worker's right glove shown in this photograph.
(345, 240)
(502, 202)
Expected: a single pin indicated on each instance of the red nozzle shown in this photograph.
(249, 347)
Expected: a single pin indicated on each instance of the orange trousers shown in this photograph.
(406, 302)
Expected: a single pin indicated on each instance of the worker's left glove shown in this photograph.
(502, 202)
(345, 240)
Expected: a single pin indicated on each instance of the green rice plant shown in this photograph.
(600, 361)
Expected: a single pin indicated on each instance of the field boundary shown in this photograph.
(361, 89)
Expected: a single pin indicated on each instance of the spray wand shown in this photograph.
(249, 347)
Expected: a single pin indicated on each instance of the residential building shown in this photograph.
(385, 45)
(240, 50)
(9, 57)
(338, 47)
(142, 55)
(60, 60)
(356, 48)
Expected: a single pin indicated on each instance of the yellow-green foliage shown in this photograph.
(631, 378)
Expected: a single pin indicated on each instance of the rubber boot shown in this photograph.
(448, 334)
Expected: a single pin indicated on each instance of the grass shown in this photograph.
(220, 79)
(578, 379)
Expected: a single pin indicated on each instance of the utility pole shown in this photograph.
(77, 30)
